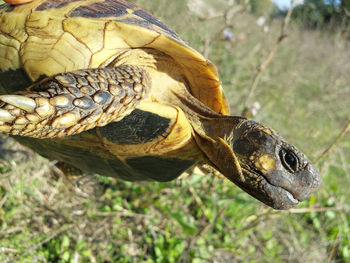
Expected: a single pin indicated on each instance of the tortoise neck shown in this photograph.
(214, 135)
(206, 122)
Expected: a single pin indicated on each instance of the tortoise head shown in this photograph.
(270, 169)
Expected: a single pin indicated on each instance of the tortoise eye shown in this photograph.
(289, 160)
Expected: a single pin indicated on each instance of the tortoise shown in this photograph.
(106, 87)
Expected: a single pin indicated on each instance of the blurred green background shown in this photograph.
(304, 94)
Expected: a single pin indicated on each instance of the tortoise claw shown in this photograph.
(20, 101)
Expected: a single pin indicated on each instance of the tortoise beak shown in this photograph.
(278, 191)
(295, 187)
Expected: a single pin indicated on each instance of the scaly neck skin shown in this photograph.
(214, 134)
(215, 139)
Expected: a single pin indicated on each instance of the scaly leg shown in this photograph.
(72, 102)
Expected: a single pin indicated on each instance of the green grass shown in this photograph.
(304, 95)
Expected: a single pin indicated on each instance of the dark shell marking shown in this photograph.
(53, 4)
(107, 8)
(127, 13)
(159, 169)
(88, 159)
(14, 80)
(136, 128)
(9, 8)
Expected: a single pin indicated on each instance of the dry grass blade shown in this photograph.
(198, 200)
(3, 200)
(264, 64)
(336, 141)
(8, 250)
(314, 209)
(333, 252)
(124, 213)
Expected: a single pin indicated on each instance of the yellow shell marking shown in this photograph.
(9, 58)
(94, 42)
(129, 11)
(177, 137)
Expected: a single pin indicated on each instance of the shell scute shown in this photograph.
(126, 13)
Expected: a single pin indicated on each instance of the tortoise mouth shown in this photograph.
(271, 194)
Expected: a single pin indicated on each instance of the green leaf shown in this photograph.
(187, 227)
(86, 253)
(65, 256)
(346, 252)
(65, 243)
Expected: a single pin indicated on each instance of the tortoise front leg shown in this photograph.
(69, 103)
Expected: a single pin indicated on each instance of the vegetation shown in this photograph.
(305, 95)
(324, 14)
(262, 7)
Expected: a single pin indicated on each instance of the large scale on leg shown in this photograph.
(108, 88)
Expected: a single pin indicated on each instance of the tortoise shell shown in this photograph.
(47, 37)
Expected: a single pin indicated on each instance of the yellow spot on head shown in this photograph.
(129, 11)
(265, 163)
(268, 131)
